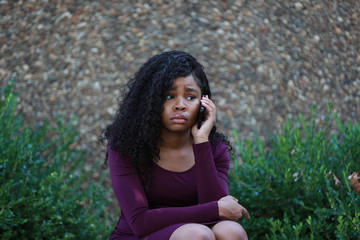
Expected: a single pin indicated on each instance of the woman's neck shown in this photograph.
(175, 140)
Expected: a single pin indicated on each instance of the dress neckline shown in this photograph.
(173, 172)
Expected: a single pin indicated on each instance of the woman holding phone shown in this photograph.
(169, 166)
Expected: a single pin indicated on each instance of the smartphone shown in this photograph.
(201, 116)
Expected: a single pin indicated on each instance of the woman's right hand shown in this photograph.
(230, 209)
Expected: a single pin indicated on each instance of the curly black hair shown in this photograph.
(136, 129)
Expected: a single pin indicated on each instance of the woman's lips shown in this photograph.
(179, 119)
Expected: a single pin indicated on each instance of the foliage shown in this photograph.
(43, 193)
(299, 188)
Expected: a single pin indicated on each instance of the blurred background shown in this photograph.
(267, 61)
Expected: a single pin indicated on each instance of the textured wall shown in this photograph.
(267, 60)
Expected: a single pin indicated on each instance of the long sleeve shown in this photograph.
(211, 171)
(134, 205)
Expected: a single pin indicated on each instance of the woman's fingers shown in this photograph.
(210, 110)
(234, 198)
(245, 213)
(202, 134)
(209, 106)
(229, 208)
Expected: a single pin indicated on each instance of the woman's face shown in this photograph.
(181, 105)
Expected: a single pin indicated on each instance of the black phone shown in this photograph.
(201, 116)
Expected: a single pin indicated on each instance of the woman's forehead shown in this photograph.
(188, 82)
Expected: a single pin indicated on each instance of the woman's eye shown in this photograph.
(168, 97)
(190, 97)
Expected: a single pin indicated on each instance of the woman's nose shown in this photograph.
(179, 105)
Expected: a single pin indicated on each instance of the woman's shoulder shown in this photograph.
(218, 145)
(116, 158)
(220, 152)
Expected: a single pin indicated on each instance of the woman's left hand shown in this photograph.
(202, 134)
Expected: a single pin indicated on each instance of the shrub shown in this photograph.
(45, 192)
(299, 188)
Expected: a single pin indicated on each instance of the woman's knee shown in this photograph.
(229, 230)
(193, 231)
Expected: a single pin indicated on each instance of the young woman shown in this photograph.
(169, 175)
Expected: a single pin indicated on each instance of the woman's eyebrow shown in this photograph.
(191, 89)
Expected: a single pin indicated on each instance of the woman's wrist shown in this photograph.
(200, 140)
(220, 209)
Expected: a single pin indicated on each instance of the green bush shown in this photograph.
(45, 192)
(297, 187)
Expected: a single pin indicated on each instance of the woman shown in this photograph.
(169, 174)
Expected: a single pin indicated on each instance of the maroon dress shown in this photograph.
(174, 199)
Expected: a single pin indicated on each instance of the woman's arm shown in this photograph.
(211, 171)
(133, 202)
